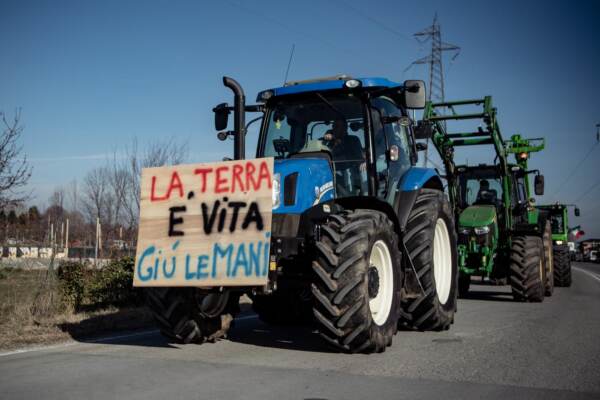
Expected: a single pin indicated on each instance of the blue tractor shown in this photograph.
(363, 240)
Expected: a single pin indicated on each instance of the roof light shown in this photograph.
(352, 83)
(523, 155)
(266, 95)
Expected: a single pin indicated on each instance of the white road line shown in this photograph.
(73, 343)
(596, 277)
(100, 340)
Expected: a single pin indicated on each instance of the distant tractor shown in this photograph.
(559, 219)
(362, 239)
(501, 235)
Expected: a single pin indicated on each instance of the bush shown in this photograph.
(113, 284)
(71, 277)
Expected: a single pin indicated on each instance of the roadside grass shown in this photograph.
(36, 310)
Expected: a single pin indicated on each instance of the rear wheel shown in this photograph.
(187, 315)
(562, 266)
(527, 273)
(356, 285)
(548, 259)
(431, 242)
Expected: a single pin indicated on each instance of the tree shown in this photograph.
(15, 171)
(156, 154)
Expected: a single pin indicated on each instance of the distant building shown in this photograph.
(585, 246)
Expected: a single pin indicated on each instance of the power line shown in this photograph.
(375, 21)
(312, 37)
(590, 190)
(574, 170)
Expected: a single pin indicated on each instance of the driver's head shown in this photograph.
(339, 128)
(484, 185)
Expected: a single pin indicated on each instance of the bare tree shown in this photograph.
(155, 154)
(15, 171)
(96, 195)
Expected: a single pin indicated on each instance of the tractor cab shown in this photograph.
(480, 192)
(353, 136)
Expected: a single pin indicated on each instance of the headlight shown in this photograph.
(276, 190)
(464, 231)
(352, 83)
(482, 230)
(559, 242)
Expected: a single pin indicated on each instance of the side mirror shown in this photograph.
(423, 130)
(221, 116)
(539, 185)
(414, 94)
(577, 212)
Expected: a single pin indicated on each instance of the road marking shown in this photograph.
(596, 277)
(100, 340)
(73, 343)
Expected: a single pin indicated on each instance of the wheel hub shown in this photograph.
(373, 279)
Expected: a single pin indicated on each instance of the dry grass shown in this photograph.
(32, 312)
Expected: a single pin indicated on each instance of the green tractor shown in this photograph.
(502, 236)
(559, 219)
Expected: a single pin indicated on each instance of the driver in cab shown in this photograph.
(346, 149)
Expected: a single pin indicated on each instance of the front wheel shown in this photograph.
(548, 259)
(187, 315)
(527, 273)
(356, 285)
(562, 266)
(431, 242)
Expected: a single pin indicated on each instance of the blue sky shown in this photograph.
(91, 76)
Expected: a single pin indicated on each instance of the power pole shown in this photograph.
(433, 34)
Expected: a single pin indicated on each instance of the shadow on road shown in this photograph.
(254, 332)
(488, 295)
(124, 326)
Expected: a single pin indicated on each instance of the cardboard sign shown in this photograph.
(205, 224)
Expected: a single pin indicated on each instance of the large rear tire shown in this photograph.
(431, 242)
(187, 315)
(527, 273)
(562, 266)
(357, 281)
(548, 259)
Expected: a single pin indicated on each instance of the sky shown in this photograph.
(89, 77)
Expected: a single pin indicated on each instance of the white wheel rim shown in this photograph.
(442, 261)
(381, 304)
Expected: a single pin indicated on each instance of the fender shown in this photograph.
(408, 189)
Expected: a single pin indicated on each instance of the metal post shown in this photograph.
(239, 115)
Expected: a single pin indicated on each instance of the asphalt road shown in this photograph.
(496, 349)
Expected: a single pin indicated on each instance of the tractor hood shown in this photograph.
(303, 183)
(475, 216)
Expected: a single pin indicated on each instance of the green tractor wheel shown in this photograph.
(562, 266)
(527, 271)
(548, 259)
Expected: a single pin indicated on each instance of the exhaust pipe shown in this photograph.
(239, 115)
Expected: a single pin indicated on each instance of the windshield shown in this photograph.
(556, 220)
(333, 124)
(300, 125)
(480, 187)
